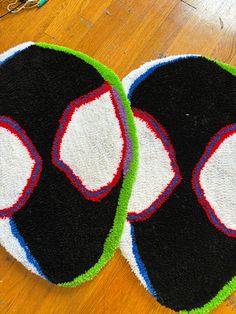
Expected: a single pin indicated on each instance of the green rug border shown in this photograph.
(113, 239)
(228, 67)
(230, 286)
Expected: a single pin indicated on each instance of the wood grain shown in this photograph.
(122, 34)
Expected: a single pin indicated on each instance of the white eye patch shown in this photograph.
(20, 166)
(89, 146)
(216, 179)
(157, 174)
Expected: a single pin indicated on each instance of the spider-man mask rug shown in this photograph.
(67, 161)
(180, 235)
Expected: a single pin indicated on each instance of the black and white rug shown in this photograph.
(179, 237)
(67, 161)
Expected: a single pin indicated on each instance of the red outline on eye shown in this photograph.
(150, 123)
(209, 151)
(95, 195)
(15, 129)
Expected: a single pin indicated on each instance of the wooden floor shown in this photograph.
(122, 34)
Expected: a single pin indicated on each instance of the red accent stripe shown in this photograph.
(142, 115)
(26, 188)
(203, 201)
(63, 126)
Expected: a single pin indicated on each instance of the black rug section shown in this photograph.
(187, 259)
(64, 231)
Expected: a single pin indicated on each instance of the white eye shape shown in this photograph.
(158, 173)
(90, 143)
(215, 180)
(20, 167)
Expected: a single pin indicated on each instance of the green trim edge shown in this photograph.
(113, 239)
